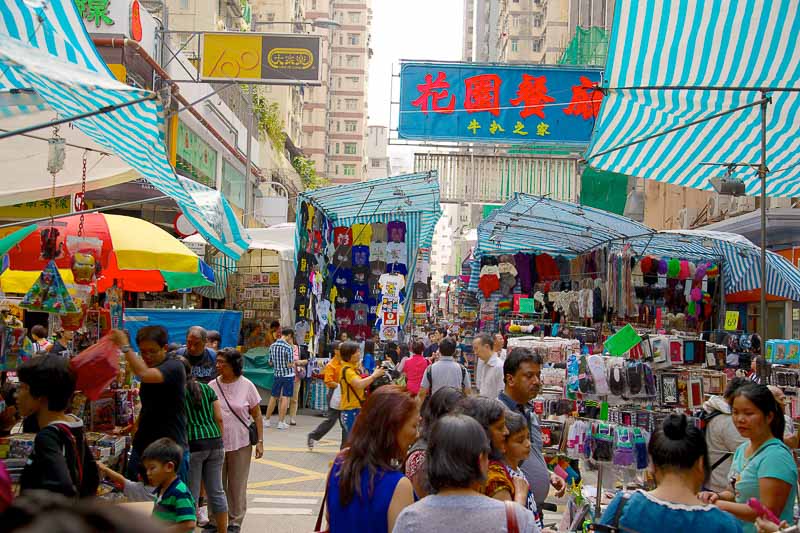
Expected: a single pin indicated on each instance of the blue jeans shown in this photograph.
(206, 466)
(348, 419)
(136, 471)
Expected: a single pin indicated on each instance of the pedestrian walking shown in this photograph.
(204, 427)
(443, 402)
(457, 465)
(300, 366)
(240, 411)
(330, 375)
(281, 359)
(162, 391)
(680, 462)
(353, 387)
(201, 357)
(721, 436)
(369, 356)
(489, 372)
(365, 491)
(446, 372)
(414, 367)
(763, 467)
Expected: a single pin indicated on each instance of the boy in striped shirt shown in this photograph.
(174, 504)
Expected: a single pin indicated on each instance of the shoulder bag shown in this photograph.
(511, 518)
(252, 431)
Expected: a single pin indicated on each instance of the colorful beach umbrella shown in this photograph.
(139, 255)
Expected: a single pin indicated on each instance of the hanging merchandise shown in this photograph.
(85, 253)
(115, 303)
(81, 295)
(15, 347)
(49, 294)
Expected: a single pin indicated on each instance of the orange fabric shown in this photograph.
(497, 480)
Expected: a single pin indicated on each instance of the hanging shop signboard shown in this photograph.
(274, 59)
(474, 102)
(196, 157)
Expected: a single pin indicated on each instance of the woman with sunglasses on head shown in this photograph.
(763, 467)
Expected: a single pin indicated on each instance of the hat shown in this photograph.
(662, 266)
(673, 268)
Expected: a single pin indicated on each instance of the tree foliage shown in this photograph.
(307, 170)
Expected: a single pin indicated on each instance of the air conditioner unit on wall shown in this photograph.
(687, 217)
(719, 205)
(777, 203)
(745, 204)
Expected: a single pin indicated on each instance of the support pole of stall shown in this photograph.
(762, 174)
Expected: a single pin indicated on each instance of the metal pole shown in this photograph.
(762, 173)
(248, 201)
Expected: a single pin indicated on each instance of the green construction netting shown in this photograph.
(604, 190)
(588, 47)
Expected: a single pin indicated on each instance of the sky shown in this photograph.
(408, 29)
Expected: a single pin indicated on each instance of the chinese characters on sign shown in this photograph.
(485, 103)
(95, 11)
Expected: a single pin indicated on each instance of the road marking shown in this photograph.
(306, 450)
(290, 468)
(280, 511)
(273, 492)
(288, 501)
(285, 481)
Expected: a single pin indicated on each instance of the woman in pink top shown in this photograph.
(414, 367)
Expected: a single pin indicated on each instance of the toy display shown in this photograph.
(49, 294)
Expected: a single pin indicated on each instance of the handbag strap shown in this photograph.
(219, 384)
(324, 499)
(511, 518)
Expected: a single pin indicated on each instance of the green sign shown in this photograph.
(95, 11)
(196, 157)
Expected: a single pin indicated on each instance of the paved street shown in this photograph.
(286, 485)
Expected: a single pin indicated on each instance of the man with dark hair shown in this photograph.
(213, 340)
(722, 437)
(202, 358)
(281, 359)
(522, 371)
(489, 371)
(162, 395)
(61, 461)
(436, 336)
(446, 372)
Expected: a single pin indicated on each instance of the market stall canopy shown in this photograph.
(278, 238)
(671, 64)
(413, 198)
(50, 65)
(528, 222)
(139, 255)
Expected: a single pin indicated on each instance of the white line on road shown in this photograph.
(280, 511)
(289, 501)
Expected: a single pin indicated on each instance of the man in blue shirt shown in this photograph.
(202, 358)
(281, 359)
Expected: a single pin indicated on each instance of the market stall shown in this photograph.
(631, 324)
(358, 257)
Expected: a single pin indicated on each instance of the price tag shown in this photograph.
(731, 320)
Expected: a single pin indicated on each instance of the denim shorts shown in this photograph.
(283, 387)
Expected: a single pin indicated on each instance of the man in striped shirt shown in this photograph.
(281, 359)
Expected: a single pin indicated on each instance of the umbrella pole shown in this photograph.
(762, 173)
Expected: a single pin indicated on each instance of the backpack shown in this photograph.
(84, 475)
(429, 374)
(705, 419)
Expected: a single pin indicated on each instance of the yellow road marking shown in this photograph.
(268, 492)
(285, 481)
(290, 468)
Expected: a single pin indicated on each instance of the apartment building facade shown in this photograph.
(378, 162)
(335, 113)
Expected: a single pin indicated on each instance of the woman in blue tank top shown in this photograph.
(366, 488)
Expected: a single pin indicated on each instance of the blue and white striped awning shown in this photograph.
(724, 52)
(46, 53)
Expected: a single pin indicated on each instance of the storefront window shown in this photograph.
(233, 185)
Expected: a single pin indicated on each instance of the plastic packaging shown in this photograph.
(96, 367)
(85, 252)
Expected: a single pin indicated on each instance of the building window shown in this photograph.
(338, 83)
(350, 126)
(536, 44)
(337, 169)
(270, 17)
(352, 61)
(514, 45)
(337, 148)
(354, 17)
(538, 20)
(376, 163)
(338, 105)
(313, 5)
(515, 21)
(350, 148)
(341, 40)
(349, 170)
(351, 104)
(184, 4)
(353, 80)
(353, 39)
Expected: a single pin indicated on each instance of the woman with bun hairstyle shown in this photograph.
(680, 462)
(763, 466)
